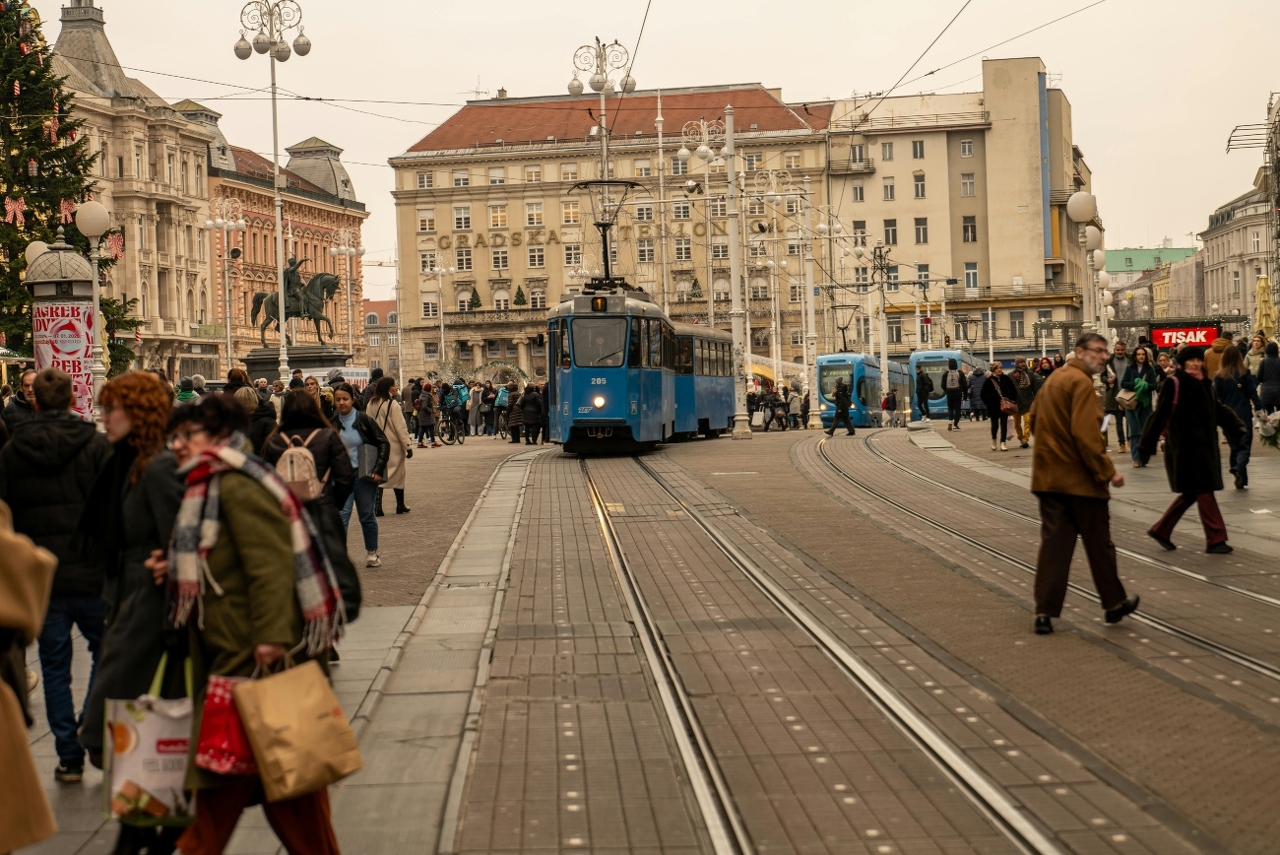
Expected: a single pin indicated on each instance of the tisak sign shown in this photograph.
(1165, 338)
(63, 337)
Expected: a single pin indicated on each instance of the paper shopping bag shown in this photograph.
(146, 760)
(223, 746)
(300, 737)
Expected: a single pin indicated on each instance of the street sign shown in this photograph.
(816, 291)
(1199, 336)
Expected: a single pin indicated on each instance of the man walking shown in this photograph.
(1070, 475)
(1117, 365)
(21, 407)
(46, 473)
(1028, 384)
(843, 400)
(924, 388)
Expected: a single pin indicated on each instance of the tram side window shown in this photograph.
(559, 354)
(685, 365)
(723, 360)
(655, 342)
(635, 352)
(670, 348)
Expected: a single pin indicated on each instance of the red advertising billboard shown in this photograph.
(1166, 338)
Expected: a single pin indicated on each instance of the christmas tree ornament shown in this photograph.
(68, 209)
(115, 246)
(13, 209)
(25, 48)
(53, 129)
(17, 89)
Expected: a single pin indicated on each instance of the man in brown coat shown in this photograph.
(1071, 475)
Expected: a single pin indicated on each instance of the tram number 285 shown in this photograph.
(599, 381)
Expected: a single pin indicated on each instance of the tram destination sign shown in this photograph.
(1201, 336)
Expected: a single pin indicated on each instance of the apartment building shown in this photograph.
(1186, 287)
(968, 191)
(488, 194)
(1238, 249)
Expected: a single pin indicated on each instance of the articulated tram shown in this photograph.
(624, 377)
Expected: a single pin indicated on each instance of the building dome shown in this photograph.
(61, 263)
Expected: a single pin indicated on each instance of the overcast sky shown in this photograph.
(1156, 87)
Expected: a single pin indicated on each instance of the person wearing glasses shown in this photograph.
(1071, 476)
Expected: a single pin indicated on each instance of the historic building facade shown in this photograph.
(382, 331)
(488, 195)
(1237, 250)
(153, 176)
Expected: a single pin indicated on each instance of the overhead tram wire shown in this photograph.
(634, 52)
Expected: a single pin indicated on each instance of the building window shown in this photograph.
(537, 299)
(1017, 327)
(756, 249)
(720, 289)
(609, 171)
(497, 175)
(497, 216)
(462, 218)
(461, 178)
(966, 148)
(427, 221)
(501, 303)
(890, 232)
(393, 339)
(793, 204)
(1235, 282)
(426, 261)
(431, 349)
(856, 191)
(537, 256)
(759, 289)
(917, 149)
(720, 247)
(922, 274)
(680, 210)
(1128, 262)
(1257, 244)
(922, 229)
(755, 207)
(753, 161)
(919, 185)
(644, 250)
(532, 174)
(859, 232)
(797, 336)
(462, 258)
(969, 230)
(430, 309)
(966, 184)
(533, 213)
(891, 278)
(888, 189)
(679, 167)
(795, 293)
(375, 340)
(717, 207)
(684, 249)
(642, 168)
(970, 276)
(644, 213)
(894, 326)
(568, 172)
(573, 254)
(861, 279)
(791, 160)
(425, 181)
(464, 301)
(570, 213)
(499, 259)
(886, 151)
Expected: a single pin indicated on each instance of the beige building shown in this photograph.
(488, 193)
(969, 193)
(152, 175)
(1238, 250)
(1160, 292)
(1186, 287)
(382, 331)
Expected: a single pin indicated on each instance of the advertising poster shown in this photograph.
(1165, 338)
(63, 339)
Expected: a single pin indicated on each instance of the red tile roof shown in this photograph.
(256, 166)
(532, 120)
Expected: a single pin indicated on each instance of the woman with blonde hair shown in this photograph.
(387, 414)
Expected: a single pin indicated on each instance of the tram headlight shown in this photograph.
(822, 407)
(598, 400)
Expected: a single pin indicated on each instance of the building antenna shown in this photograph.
(477, 91)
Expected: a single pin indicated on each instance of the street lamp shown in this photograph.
(1082, 207)
(440, 273)
(704, 136)
(348, 246)
(601, 60)
(229, 217)
(93, 221)
(273, 21)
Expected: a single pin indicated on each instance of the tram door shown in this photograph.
(559, 352)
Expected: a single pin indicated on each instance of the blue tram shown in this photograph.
(623, 377)
(935, 366)
(861, 372)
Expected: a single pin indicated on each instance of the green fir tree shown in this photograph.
(44, 161)
(116, 319)
(519, 299)
(474, 302)
(695, 290)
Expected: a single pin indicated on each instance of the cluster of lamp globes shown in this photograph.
(92, 220)
(280, 50)
(1082, 207)
(598, 82)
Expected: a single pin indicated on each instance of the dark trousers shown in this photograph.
(841, 418)
(85, 614)
(531, 433)
(1117, 417)
(303, 824)
(1215, 530)
(1062, 518)
(922, 404)
(999, 421)
(514, 430)
(953, 408)
(1242, 449)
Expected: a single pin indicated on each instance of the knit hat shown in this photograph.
(335, 376)
(1190, 353)
(186, 384)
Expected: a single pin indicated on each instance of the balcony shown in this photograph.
(1038, 291)
(887, 124)
(843, 165)
(209, 331)
(487, 317)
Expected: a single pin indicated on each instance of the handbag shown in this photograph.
(1127, 399)
(222, 745)
(367, 460)
(757, 418)
(1008, 407)
(301, 739)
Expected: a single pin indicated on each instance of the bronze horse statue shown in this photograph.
(310, 298)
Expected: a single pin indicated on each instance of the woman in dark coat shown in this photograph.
(1191, 412)
(300, 417)
(531, 414)
(262, 423)
(1237, 389)
(515, 415)
(1142, 379)
(131, 513)
(1269, 378)
(997, 386)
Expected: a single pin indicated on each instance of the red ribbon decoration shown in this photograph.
(53, 129)
(68, 208)
(115, 246)
(13, 209)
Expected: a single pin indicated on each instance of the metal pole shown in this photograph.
(226, 289)
(706, 219)
(98, 370)
(741, 421)
(662, 213)
(279, 200)
(440, 284)
(811, 326)
(991, 334)
(399, 317)
(351, 320)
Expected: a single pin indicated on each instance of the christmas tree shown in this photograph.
(45, 163)
(474, 302)
(520, 299)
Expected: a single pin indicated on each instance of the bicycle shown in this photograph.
(452, 428)
(501, 423)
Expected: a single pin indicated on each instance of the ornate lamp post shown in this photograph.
(440, 273)
(348, 246)
(704, 136)
(229, 217)
(1082, 207)
(273, 21)
(93, 221)
(600, 60)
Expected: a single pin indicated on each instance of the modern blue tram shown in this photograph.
(861, 372)
(623, 377)
(935, 366)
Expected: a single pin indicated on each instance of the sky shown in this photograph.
(1155, 87)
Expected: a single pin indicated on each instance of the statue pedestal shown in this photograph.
(311, 358)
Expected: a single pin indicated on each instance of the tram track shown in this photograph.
(1223, 651)
(714, 798)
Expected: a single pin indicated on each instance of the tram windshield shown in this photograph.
(936, 370)
(830, 374)
(599, 342)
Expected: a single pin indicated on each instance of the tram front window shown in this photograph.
(599, 342)
(829, 376)
(936, 372)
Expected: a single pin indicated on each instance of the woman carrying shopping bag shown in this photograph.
(385, 412)
(249, 582)
(1142, 378)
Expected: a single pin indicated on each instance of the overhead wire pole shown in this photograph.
(741, 421)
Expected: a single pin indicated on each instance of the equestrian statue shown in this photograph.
(301, 301)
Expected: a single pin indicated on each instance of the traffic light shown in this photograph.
(946, 341)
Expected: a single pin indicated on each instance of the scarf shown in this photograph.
(1022, 377)
(185, 396)
(196, 530)
(1198, 375)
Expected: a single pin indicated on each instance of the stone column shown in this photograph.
(522, 356)
(477, 352)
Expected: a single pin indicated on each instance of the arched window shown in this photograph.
(464, 300)
(142, 303)
(721, 289)
(371, 320)
(537, 299)
(759, 338)
(501, 300)
(392, 319)
(191, 304)
(204, 307)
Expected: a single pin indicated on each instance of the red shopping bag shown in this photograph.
(223, 746)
